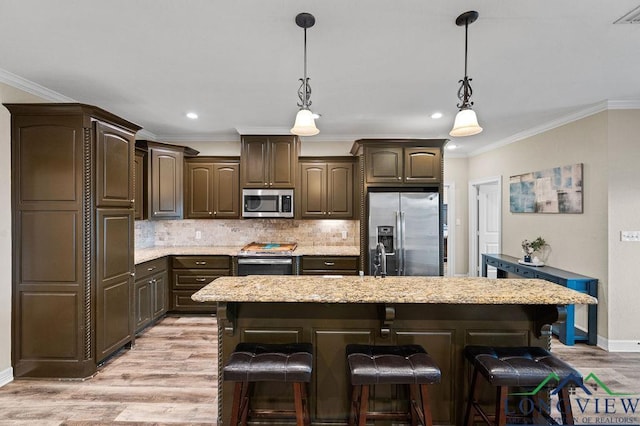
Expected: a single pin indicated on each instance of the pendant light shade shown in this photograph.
(305, 124)
(466, 122)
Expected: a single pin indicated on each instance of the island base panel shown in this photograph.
(443, 330)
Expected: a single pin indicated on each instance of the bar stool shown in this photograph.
(257, 362)
(508, 367)
(408, 365)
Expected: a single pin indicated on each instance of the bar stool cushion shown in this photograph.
(519, 366)
(407, 364)
(258, 362)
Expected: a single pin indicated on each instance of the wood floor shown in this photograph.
(170, 377)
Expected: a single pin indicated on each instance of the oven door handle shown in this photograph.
(263, 261)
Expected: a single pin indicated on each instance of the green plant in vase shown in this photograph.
(530, 247)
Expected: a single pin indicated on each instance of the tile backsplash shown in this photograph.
(239, 232)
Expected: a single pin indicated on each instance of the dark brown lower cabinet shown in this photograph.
(151, 292)
(329, 265)
(190, 274)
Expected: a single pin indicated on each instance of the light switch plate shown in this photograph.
(630, 236)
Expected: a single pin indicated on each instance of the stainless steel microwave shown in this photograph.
(267, 203)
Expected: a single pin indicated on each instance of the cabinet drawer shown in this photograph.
(327, 263)
(524, 272)
(151, 267)
(196, 278)
(202, 262)
(492, 262)
(181, 302)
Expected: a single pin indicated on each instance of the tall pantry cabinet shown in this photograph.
(73, 259)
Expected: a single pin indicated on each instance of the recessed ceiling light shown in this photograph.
(192, 115)
(436, 115)
(451, 146)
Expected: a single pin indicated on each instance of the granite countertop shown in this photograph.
(151, 253)
(354, 289)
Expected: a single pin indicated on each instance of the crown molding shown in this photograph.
(545, 127)
(32, 88)
(263, 130)
(146, 135)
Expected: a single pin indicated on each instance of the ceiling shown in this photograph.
(378, 68)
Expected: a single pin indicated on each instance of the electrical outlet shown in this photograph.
(630, 236)
(344, 235)
(198, 235)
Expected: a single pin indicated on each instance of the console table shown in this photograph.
(566, 332)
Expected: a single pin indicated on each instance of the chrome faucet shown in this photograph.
(380, 262)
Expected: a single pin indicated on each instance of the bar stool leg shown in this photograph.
(426, 409)
(469, 415)
(565, 406)
(237, 401)
(413, 405)
(501, 412)
(355, 404)
(297, 397)
(364, 405)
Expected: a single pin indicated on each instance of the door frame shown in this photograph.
(473, 219)
(451, 227)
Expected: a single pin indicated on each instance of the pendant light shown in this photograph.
(305, 124)
(466, 122)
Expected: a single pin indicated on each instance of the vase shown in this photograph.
(527, 258)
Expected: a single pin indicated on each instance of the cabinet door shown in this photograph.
(139, 186)
(159, 294)
(313, 179)
(422, 165)
(199, 191)
(226, 190)
(384, 165)
(339, 190)
(114, 157)
(166, 184)
(114, 313)
(283, 161)
(142, 303)
(254, 162)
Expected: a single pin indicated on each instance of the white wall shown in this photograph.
(623, 214)
(7, 95)
(456, 172)
(608, 145)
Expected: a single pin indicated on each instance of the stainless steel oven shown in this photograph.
(265, 265)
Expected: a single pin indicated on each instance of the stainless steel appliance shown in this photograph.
(266, 259)
(267, 203)
(407, 225)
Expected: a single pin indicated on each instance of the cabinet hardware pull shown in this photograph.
(133, 274)
(329, 213)
(201, 263)
(133, 201)
(399, 177)
(151, 269)
(329, 263)
(209, 212)
(201, 279)
(266, 184)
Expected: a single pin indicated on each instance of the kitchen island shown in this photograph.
(440, 313)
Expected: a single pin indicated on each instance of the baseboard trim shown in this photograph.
(6, 376)
(619, 345)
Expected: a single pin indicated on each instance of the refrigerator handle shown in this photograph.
(402, 220)
(399, 239)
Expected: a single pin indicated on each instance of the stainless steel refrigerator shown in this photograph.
(408, 225)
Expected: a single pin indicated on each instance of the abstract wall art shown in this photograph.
(557, 190)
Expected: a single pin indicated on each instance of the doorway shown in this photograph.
(485, 222)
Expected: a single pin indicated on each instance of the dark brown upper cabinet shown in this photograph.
(212, 188)
(114, 154)
(269, 161)
(401, 162)
(326, 189)
(72, 187)
(140, 185)
(165, 177)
